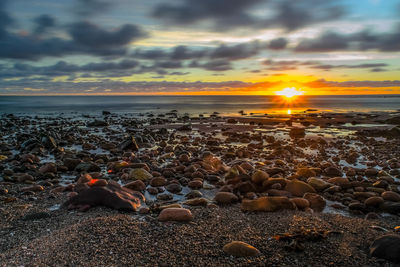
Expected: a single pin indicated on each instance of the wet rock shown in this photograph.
(299, 188)
(225, 198)
(306, 172)
(372, 216)
(318, 184)
(165, 197)
(196, 202)
(317, 202)
(113, 196)
(278, 193)
(194, 194)
(97, 123)
(259, 177)
(137, 185)
(174, 188)
(301, 203)
(48, 167)
(33, 188)
(333, 172)
(339, 181)
(140, 174)
(271, 181)
(129, 143)
(158, 181)
(196, 184)
(240, 249)
(175, 214)
(373, 202)
(391, 207)
(371, 172)
(386, 247)
(87, 167)
(267, 204)
(391, 196)
(71, 163)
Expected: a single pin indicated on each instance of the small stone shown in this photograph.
(140, 174)
(299, 188)
(391, 196)
(267, 204)
(317, 202)
(137, 185)
(48, 167)
(175, 214)
(301, 203)
(225, 198)
(259, 177)
(240, 249)
(196, 184)
(373, 202)
(174, 188)
(34, 188)
(196, 202)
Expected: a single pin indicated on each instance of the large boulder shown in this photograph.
(112, 195)
(267, 204)
(298, 188)
(386, 247)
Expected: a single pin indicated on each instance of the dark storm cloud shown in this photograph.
(358, 41)
(223, 51)
(357, 66)
(230, 14)
(42, 23)
(278, 44)
(86, 38)
(350, 84)
(223, 13)
(5, 19)
(89, 34)
(213, 65)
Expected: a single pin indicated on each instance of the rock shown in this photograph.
(158, 181)
(373, 201)
(140, 174)
(196, 202)
(317, 202)
(174, 188)
(193, 194)
(342, 182)
(259, 177)
(137, 185)
(271, 181)
(174, 205)
(318, 184)
(87, 167)
(225, 198)
(97, 123)
(371, 172)
(333, 172)
(391, 196)
(48, 167)
(301, 203)
(129, 143)
(278, 193)
(195, 184)
(113, 196)
(297, 132)
(175, 214)
(298, 188)
(386, 247)
(33, 188)
(98, 182)
(391, 207)
(306, 172)
(267, 204)
(240, 249)
(71, 163)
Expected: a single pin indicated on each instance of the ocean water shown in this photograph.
(228, 105)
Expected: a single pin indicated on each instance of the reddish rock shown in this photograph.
(240, 249)
(175, 214)
(391, 196)
(48, 167)
(137, 185)
(299, 188)
(317, 202)
(225, 198)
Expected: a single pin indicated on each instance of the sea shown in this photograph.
(195, 105)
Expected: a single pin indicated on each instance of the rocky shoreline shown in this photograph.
(172, 189)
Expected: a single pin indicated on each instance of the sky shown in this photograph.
(241, 47)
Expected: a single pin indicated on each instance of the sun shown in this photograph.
(289, 92)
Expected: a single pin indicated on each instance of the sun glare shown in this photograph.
(289, 92)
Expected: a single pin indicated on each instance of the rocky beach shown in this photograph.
(114, 189)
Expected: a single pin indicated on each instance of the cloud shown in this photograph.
(86, 38)
(213, 65)
(86, 8)
(223, 15)
(358, 41)
(5, 19)
(350, 84)
(89, 34)
(278, 44)
(356, 66)
(42, 23)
